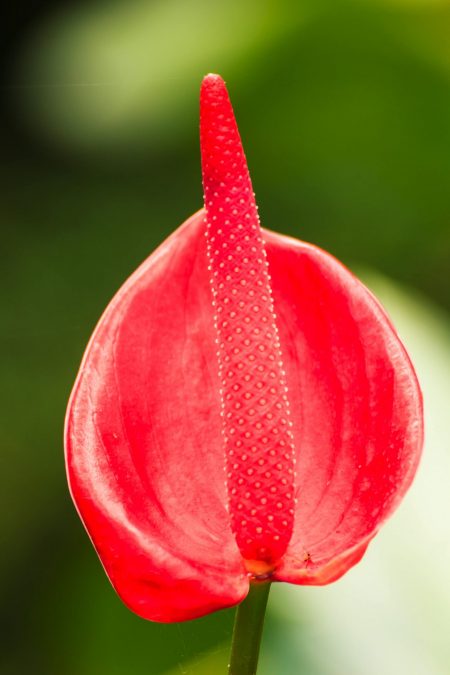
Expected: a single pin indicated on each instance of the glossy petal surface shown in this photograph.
(144, 441)
(356, 409)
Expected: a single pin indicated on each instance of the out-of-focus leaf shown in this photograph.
(114, 73)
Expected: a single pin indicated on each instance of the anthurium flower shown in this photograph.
(244, 410)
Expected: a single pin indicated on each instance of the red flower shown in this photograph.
(244, 408)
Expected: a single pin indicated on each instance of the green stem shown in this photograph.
(247, 632)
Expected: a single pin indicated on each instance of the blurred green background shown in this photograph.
(344, 108)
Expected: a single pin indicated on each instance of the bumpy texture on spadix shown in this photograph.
(244, 408)
(258, 439)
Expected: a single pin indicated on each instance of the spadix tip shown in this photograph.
(213, 82)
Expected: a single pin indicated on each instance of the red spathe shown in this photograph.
(146, 461)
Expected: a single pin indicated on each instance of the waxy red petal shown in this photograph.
(356, 408)
(144, 442)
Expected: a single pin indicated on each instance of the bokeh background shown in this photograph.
(344, 108)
